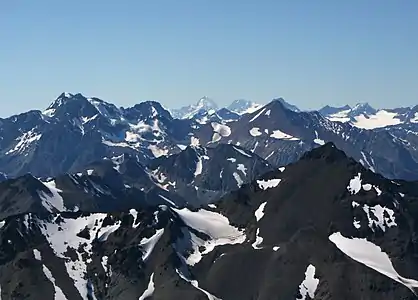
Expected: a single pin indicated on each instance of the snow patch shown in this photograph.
(157, 151)
(242, 168)
(355, 184)
(280, 135)
(148, 244)
(255, 131)
(150, 289)
(309, 285)
(259, 213)
(268, 184)
(52, 200)
(238, 179)
(372, 256)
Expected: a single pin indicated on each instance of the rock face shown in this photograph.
(323, 227)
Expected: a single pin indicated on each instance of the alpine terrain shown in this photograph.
(241, 202)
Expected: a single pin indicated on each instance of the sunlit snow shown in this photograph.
(150, 289)
(268, 184)
(280, 135)
(309, 285)
(255, 131)
(148, 244)
(355, 184)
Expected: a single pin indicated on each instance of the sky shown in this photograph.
(311, 53)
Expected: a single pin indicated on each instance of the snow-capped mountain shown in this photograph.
(281, 136)
(324, 227)
(222, 115)
(364, 116)
(205, 104)
(242, 106)
(74, 131)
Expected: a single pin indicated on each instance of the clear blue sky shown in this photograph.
(175, 51)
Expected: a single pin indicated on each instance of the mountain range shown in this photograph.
(244, 202)
(261, 241)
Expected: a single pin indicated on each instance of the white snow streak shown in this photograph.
(148, 244)
(150, 289)
(259, 213)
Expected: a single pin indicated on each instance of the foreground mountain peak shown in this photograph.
(287, 105)
(328, 152)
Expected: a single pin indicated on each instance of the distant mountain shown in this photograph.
(74, 131)
(364, 116)
(323, 227)
(222, 115)
(330, 110)
(242, 106)
(205, 104)
(282, 136)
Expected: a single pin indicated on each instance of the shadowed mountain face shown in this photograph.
(323, 227)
